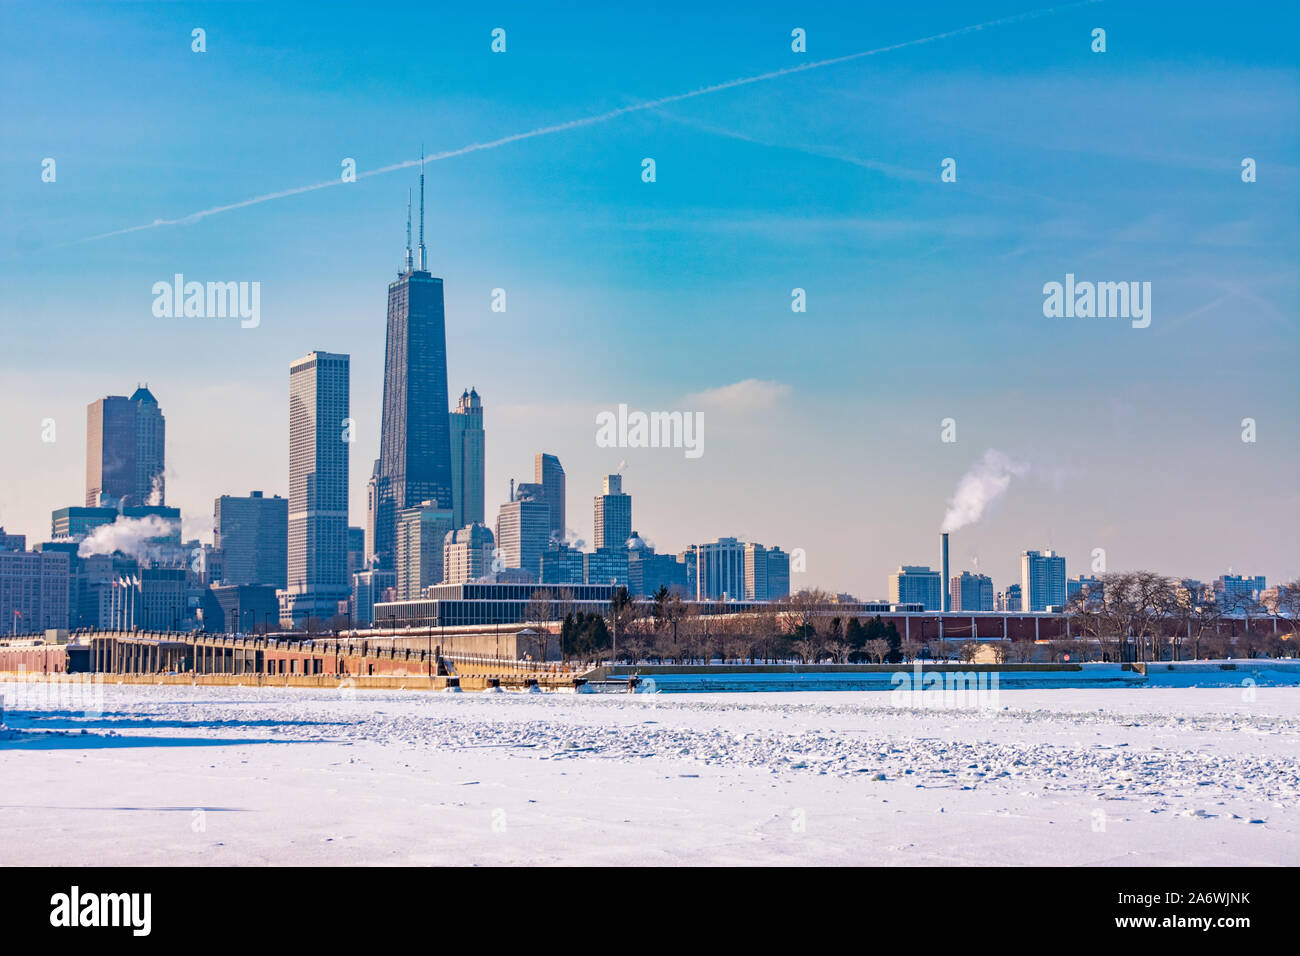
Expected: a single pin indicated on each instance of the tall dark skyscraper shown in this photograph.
(467, 461)
(125, 450)
(252, 534)
(415, 439)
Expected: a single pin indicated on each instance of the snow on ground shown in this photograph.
(245, 775)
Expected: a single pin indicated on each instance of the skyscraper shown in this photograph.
(372, 506)
(1009, 600)
(916, 584)
(33, 590)
(1042, 580)
(970, 592)
(125, 450)
(414, 440)
(648, 571)
(418, 548)
(367, 588)
(767, 573)
(548, 473)
(467, 554)
(720, 570)
(523, 529)
(562, 564)
(613, 515)
(778, 574)
(318, 488)
(755, 572)
(467, 460)
(356, 550)
(605, 566)
(1232, 590)
(252, 534)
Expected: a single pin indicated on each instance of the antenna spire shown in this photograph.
(423, 258)
(408, 230)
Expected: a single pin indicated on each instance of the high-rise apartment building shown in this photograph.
(720, 570)
(125, 450)
(319, 385)
(613, 515)
(523, 530)
(467, 554)
(368, 588)
(971, 592)
(467, 460)
(252, 535)
(755, 572)
(778, 574)
(605, 566)
(34, 589)
(647, 571)
(418, 550)
(1095, 588)
(1042, 580)
(1234, 589)
(562, 564)
(916, 584)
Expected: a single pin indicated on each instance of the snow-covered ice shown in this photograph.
(246, 775)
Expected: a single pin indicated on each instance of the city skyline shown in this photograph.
(922, 305)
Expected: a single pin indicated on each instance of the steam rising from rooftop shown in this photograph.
(139, 538)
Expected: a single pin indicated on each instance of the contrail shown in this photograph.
(594, 119)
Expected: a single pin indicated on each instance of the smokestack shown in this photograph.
(943, 584)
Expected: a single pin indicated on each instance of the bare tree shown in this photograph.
(1282, 603)
(802, 616)
(877, 649)
(765, 626)
(540, 608)
(1021, 651)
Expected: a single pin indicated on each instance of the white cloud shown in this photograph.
(749, 395)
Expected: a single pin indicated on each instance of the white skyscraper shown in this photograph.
(319, 439)
(720, 570)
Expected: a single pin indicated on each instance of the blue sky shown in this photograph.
(924, 298)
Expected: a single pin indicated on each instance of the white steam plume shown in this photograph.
(155, 491)
(136, 537)
(986, 480)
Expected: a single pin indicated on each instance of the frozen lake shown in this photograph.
(229, 775)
